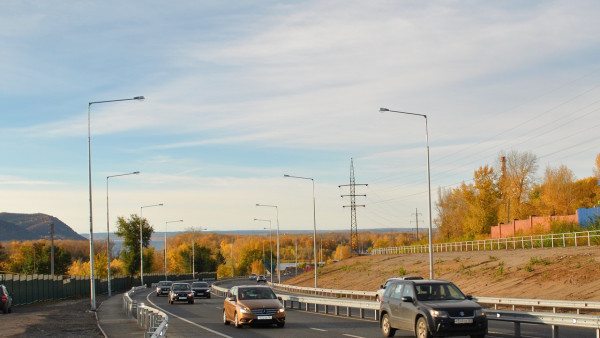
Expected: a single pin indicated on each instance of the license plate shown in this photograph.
(264, 317)
(182, 297)
(463, 321)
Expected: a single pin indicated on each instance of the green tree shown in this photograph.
(129, 230)
(204, 260)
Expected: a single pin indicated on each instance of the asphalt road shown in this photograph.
(204, 319)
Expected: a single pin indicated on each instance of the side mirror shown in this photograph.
(381, 287)
(279, 297)
(469, 297)
(407, 299)
(231, 298)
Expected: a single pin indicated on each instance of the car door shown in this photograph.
(229, 304)
(407, 310)
(394, 301)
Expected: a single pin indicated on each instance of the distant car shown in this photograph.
(5, 300)
(430, 308)
(379, 293)
(201, 289)
(163, 288)
(253, 304)
(252, 276)
(261, 279)
(181, 292)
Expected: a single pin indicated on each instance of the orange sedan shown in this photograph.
(253, 304)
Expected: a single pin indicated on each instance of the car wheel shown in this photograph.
(225, 321)
(281, 324)
(10, 309)
(191, 301)
(236, 321)
(386, 327)
(5, 308)
(208, 297)
(422, 331)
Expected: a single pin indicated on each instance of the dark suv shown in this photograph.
(430, 308)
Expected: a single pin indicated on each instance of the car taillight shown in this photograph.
(4, 298)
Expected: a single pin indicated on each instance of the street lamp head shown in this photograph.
(381, 110)
(286, 175)
(136, 172)
(139, 98)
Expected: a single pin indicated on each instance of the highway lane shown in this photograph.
(204, 319)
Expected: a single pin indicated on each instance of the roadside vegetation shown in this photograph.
(508, 190)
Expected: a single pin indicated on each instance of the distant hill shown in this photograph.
(25, 227)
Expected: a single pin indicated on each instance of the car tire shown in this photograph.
(386, 327)
(191, 301)
(225, 321)
(281, 324)
(5, 309)
(236, 321)
(208, 297)
(10, 309)
(421, 329)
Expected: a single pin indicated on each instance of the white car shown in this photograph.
(379, 293)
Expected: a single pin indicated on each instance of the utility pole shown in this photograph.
(352, 206)
(417, 221)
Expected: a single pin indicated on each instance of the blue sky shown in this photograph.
(240, 93)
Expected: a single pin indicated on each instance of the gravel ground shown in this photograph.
(69, 318)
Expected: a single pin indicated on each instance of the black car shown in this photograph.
(430, 308)
(181, 292)
(201, 289)
(163, 287)
(5, 300)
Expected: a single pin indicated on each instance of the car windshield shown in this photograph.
(200, 285)
(179, 287)
(164, 284)
(257, 293)
(438, 291)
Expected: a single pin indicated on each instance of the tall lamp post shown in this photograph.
(92, 278)
(314, 222)
(108, 226)
(383, 110)
(271, 243)
(141, 239)
(277, 215)
(165, 250)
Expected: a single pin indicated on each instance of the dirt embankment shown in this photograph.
(571, 273)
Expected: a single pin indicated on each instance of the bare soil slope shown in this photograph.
(571, 273)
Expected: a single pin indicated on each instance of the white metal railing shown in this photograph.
(153, 320)
(583, 238)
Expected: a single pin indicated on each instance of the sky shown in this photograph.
(239, 94)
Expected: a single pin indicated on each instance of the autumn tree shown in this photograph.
(557, 191)
(129, 230)
(597, 168)
(451, 208)
(483, 201)
(517, 182)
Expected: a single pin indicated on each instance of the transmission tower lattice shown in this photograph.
(352, 206)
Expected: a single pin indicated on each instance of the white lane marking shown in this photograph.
(314, 328)
(185, 320)
(350, 335)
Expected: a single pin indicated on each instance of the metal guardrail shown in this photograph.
(562, 305)
(153, 320)
(556, 320)
(583, 238)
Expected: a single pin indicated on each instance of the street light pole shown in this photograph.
(314, 222)
(194, 250)
(142, 241)
(108, 227)
(92, 278)
(277, 215)
(271, 244)
(165, 250)
(382, 110)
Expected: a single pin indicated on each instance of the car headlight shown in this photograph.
(479, 312)
(244, 309)
(191, 294)
(438, 314)
(282, 310)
